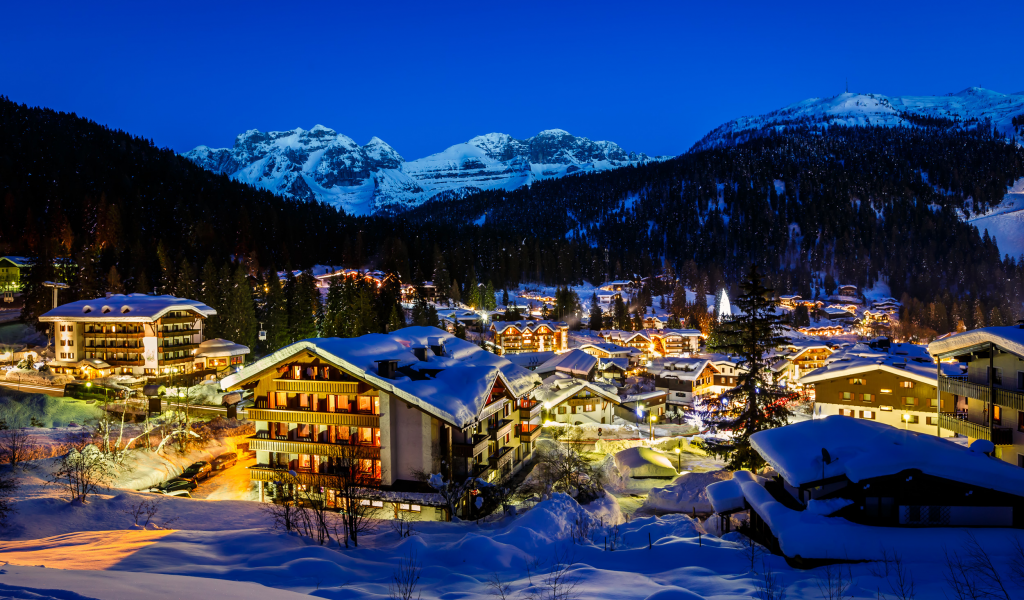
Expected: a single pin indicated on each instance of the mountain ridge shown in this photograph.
(322, 164)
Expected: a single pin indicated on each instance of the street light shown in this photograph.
(653, 419)
(906, 421)
(679, 457)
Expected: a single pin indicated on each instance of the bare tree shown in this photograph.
(402, 524)
(1017, 562)
(15, 445)
(752, 551)
(405, 579)
(769, 586)
(451, 491)
(834, 582)
(81, 472)
(561, 582)
(181, 420)
(8, 487)
(502, 590)
(562, 468)
(143, 508)
(974, 575)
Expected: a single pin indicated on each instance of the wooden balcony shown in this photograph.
(313, 386)
(529, 409)
(1000, 436)
(466, 450)
(1003, 397)
(175, 320)
(501, 459)
(162, 334)
(527, 433)
(502, 427)
(119, 334)
(269, 473)
(313, 417)
(257, 442)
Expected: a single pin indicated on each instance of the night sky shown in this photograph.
(425, 75)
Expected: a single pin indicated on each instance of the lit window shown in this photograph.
(886, 391)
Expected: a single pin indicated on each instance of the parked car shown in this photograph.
(224, 461)
(197, 471)
(172, 486)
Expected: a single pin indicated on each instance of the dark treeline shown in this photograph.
(858, 203)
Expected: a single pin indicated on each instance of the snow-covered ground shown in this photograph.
(227, 549)
(1005, 221)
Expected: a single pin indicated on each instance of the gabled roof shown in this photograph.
(1009, 339)
(140, 308)
(611, 348)
(19, 261)
(683, 369)
(862, 449)
(522, 326)
(575, 362)
(916, 368)
(453, 387)
(561, 387)
(613, 363)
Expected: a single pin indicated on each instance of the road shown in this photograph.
(212, 411)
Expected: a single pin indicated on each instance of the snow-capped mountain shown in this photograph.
(323, 164)
(971, 106)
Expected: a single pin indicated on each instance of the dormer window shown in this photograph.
(125, 309)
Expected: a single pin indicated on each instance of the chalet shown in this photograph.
(512, 337)
(14, 271)
(847, 290)
(806, 356)
(134, 334)
(897, 388)
(685, 379)
(790, 301)
(567, 399)
(676, 342)
(219, 354)
(617, 286)
(614, 370)
(653, 322)
(638, 340)
(415, 401)
(875, 316)
(609, 350)
(576, 363)
(992, 388)
(728, 371)
(635, 406)
(824, 331)
(890, 477)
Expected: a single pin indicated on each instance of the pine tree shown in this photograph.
(489, 301)
(979, 315)
(504, 297)
(758, 402)
(638, 320)
(333, 308)
(621, 315)
(240, 320)
(454, 293)
(86, 285)
(114, 285)
(210, 296)
(596, 314)
(185, 285)
(142, 283)
(442, 280)
(473, 292)
(275, 314)
(679, 303)
(305, 308)
(167, 283)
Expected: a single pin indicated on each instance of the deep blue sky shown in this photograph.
(425, 75)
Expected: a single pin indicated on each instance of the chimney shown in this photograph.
(420, 352)
(436, 345)
(386, 368)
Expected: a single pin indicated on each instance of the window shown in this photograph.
(907, 384)
(884, 408)
(846, 412)
(997, 415)
(932, 420)
(933, 402)
(562, 410)
(1020, 380)
(857, 381)
(910, 401)
(912, 419)
(364, 403)
(867, 397)
(885, 391)
(589, 408)
(377, 504)
(867, 414)
(846, 395)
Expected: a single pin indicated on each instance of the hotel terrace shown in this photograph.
(416, 401)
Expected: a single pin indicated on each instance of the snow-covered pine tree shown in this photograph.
(596, 314)
(758, 402)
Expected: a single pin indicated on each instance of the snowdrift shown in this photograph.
(644, 462)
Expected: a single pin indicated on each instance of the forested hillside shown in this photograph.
(860, 202)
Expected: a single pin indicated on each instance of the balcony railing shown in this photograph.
(313, 386)
(500, 429)
(313, 417)
(1003, 397)
(481, 470)
(257, 442)
(528, 409)
(469, 450)
(305, 476)
(528, 433)
(1000, 436)
(501, 459)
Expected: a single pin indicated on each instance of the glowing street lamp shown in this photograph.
(906, 421)
(679, 457)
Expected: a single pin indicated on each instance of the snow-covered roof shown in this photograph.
(1010, 339)
(218, 347)
(644, 462)
(645, 396)
(918, 368)
(529, 360)
(560, 387)
(611, 348)
(683, 369)
(619, 362)
(126, 308)
(576, 362)
(521, 326)
(453, 387)
(862, 449)
(20, 261)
